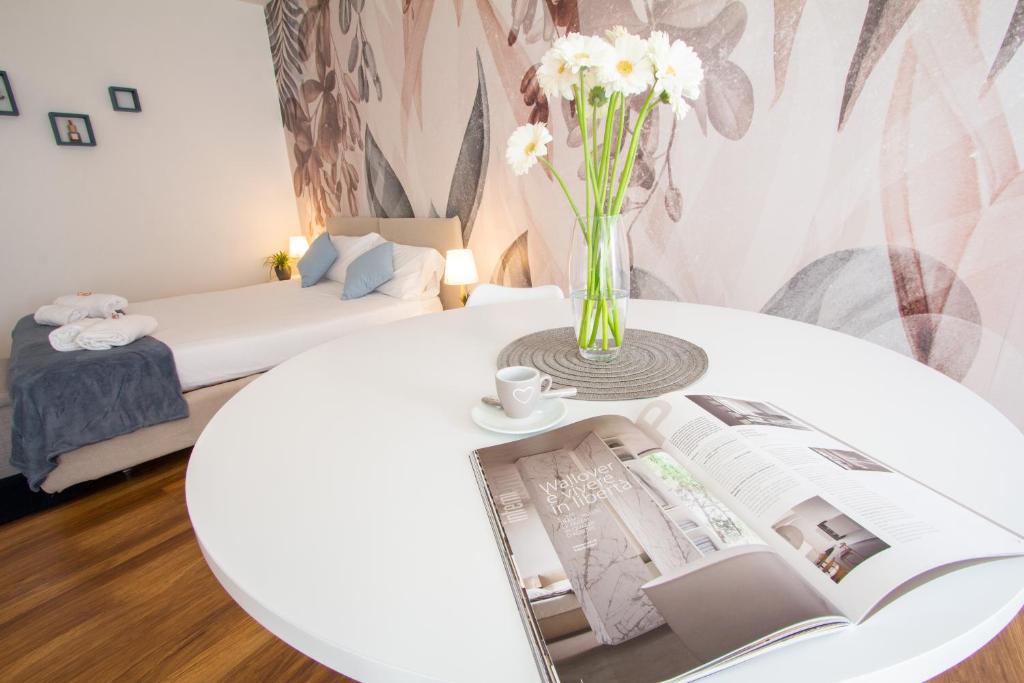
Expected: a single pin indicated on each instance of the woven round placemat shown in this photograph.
(650, 364)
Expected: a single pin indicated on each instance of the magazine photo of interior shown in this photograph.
(830, 540)
(734, 412)
(850, 460)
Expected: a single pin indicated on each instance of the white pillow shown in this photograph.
(349, 249)
(418, 272)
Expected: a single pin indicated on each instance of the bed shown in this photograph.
(224, 340)
(220, 336)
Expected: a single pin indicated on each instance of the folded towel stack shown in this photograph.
(65, 337)
(52, 314)
(87, 321)
(106, 334)
(94, 305)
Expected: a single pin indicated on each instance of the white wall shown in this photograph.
(189, 195)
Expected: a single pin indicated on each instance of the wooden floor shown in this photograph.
(113, 587)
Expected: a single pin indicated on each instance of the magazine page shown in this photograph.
(854, 528)
(627, 567)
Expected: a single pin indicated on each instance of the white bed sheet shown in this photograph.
(220, 336)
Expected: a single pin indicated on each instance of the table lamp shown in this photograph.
(460, 269)
(297, 246)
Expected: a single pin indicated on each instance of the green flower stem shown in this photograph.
(584, 323)
(627, 170)
(616, 327)
(586, 158)
(618, 152)
(594, 163)
(604, 324)
(568, 195)
(602, 178)
(609, 291)
(580, 95)
(595, 328)
(592, 251)
(591, 322)
(613, 333)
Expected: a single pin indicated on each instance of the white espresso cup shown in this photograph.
(519, 389)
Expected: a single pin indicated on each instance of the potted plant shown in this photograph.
(280, 263)
(604, 77)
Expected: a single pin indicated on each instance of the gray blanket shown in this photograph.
(62, 401)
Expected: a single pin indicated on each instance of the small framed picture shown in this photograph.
(8, 107)
(124, 99)
(73, 130)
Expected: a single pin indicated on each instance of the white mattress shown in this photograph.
(220, 336)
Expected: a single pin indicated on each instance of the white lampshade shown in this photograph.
(297, 246)
(460, 268)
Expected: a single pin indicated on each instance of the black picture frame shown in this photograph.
(55, 126)
(136, 104)
(8, 93)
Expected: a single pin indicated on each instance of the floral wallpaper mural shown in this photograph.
(850, 163)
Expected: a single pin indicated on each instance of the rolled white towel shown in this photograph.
(54, 314)
(116, 332)
(95, 305)
(64, 337)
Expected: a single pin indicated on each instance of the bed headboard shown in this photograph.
(438, 233)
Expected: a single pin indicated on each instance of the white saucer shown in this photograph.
(551, 412)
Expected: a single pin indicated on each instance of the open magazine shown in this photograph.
(704, 532)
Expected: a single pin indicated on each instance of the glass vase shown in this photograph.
(599, 287)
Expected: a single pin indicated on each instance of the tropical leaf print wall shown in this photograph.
(471, 168)
(849, 163)
(319, 99)
(283, 19)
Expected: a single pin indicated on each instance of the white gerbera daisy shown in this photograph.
(555, 75)
(627, 66)
(582, 52)
(526, 144)
(677, 68)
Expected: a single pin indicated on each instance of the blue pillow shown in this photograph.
(369, 271)
(319, 258)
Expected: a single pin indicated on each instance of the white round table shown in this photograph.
(334, 500)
